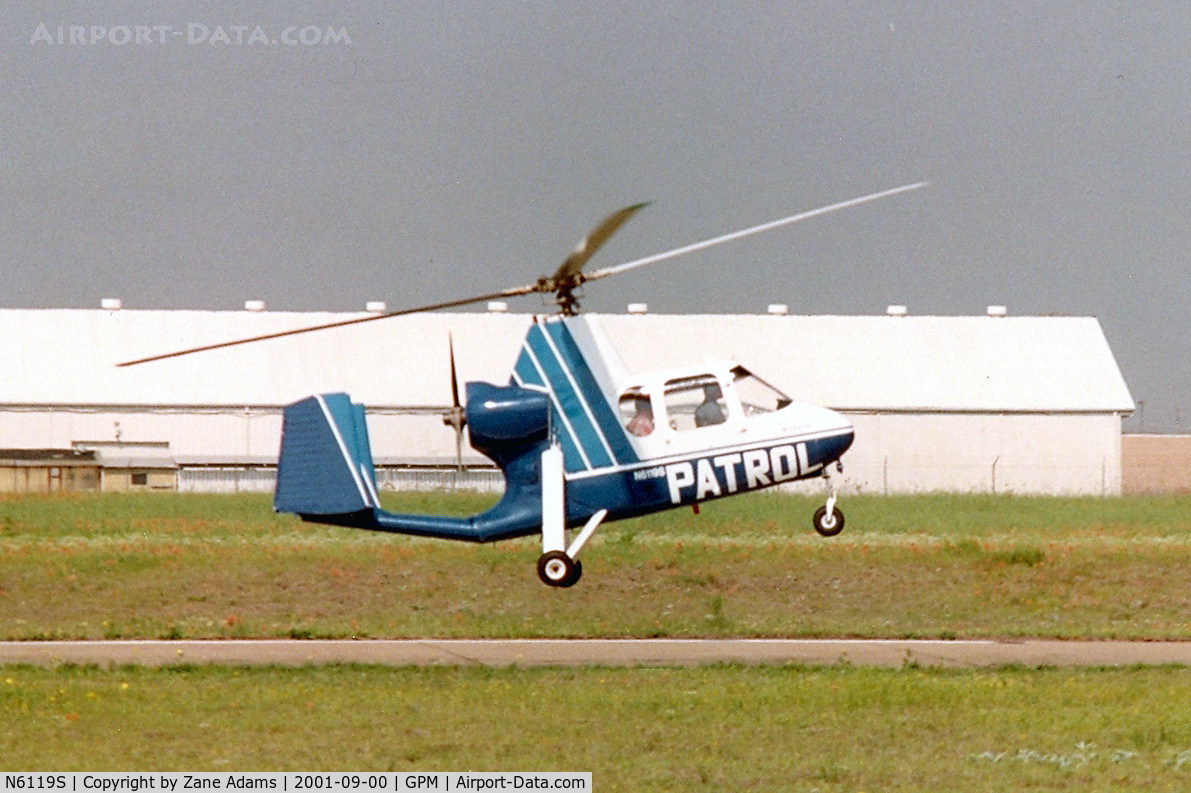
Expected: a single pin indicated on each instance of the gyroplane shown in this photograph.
(580, 440)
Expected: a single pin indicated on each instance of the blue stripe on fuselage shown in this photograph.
(588, 429)
(569, 401)
(607, 422)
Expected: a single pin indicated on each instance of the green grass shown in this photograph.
(212, 566)
(170, 565)
(714, 728)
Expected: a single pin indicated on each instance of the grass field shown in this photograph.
(170, 565)
(717, 728)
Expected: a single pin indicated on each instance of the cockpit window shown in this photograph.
(756, 395)
(695, 402)
(636, 412)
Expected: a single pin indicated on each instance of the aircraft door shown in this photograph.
(697, 412)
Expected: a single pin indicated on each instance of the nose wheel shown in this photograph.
(828, 520)
(828, 523)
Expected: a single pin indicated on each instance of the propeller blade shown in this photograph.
(456, 417)
(459, 449)
(594, 240)
(454, 376)
(735, 235)
(521, 290)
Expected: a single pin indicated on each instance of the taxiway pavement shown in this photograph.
(601, 652)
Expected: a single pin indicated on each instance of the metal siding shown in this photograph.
(397, 361)
(976, 382)
(981, 364)
(855, 363)
(1004, 453)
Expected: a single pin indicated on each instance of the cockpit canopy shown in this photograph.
(756, 395)
(689, 401)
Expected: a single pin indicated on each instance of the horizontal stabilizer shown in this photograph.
(326, 463)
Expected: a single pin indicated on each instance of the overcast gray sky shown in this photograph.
(414, 152)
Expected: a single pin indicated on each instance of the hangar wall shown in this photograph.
(981, 404)
(893, 453)
(1068, 454)
(246, 435)
(242, 434)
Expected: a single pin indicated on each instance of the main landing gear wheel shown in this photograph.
(828, 525)
(555, 568)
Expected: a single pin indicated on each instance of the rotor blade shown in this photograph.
(571, 267)
(735, 235)
(513, 292)
(594, 240)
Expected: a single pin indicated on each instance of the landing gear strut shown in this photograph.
(559, 563)
(561, 568)
(828, 520)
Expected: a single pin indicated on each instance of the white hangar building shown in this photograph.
(983, 403)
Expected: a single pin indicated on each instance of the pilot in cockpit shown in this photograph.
(710, 411)
(641, 424)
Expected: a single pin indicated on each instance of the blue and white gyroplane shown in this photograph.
(580, 441)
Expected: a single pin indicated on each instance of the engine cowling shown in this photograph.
(505, 422)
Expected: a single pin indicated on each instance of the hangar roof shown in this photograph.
(897, 363)
(879, 363)
(69, 356)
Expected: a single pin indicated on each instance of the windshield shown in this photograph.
(756, 395)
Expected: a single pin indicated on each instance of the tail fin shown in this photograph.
(326, 463)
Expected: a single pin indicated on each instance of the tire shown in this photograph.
(555, 568)
(828, 527)
(576, 574)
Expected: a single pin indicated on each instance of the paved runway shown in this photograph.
(602, 652)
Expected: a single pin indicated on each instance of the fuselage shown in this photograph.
(792, 443)
(795, 442)
(633, 445)
(630, 445)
